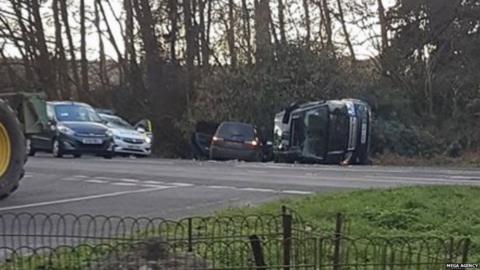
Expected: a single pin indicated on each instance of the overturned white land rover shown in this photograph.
(333, 131)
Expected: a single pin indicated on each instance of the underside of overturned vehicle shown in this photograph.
(331, 132)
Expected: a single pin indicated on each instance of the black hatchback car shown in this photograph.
(235, 140)
(74, 128)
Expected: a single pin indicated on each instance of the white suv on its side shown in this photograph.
(128, 140)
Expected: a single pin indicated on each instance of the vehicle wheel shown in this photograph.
(77, 155)
(258, 157)
(108, 155)
(29, 147)
(57, 149)
(13, 154)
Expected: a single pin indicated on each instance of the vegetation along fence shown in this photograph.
(283, 241)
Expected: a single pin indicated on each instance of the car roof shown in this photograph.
(236, 123)
(107, 115)
(68, 103)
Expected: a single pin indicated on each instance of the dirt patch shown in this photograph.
(153, 254)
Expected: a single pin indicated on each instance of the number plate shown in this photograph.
(363, 138)
(92, 141)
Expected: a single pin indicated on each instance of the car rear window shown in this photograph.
(236, 131)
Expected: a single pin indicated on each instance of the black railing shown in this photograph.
(283, 241)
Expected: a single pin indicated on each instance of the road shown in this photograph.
(175, 188)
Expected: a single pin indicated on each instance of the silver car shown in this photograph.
(127, 140)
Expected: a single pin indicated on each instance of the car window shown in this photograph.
(115, 121)
(76, 113)
(236, 131)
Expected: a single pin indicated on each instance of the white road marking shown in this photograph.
(80, 176)
(221, 187)
(153, 182)
(181, 184)
(77, 199)
(297, 192)
(70, 179)
(259, 190)
(129, 180)
(96, 181)
(162, 185)
(124, 184)
(27, 176)
(106, 178)
(157, 186)
(462, 177)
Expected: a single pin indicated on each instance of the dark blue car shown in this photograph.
(74, 128)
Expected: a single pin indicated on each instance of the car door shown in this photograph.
(338, 131)
(43, 140)
(316, 141)
(145, 126)
(297, 139)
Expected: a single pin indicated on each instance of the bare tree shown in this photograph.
(25, 49)
(44, 67)
(73, 59)
(102, 68)
(328, 26)
(306, 9)
(60, 58)
(172, 36)
(83, 49)
(247, 31)
(231, 35)
(145, 20)
(345, 30)
(190, 47)
(281, 21)
(262, 17)
(383, 24)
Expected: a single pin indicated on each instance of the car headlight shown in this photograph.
(65, 130)
(148, 140)
(109, 133)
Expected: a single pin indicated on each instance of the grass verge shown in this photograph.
(414, 211)
(447, 211)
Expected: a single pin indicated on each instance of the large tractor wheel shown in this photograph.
(12, 151)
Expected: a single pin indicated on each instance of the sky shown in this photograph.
(363, 50)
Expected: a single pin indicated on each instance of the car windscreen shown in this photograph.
(117, 122)
(236, 131)
(76, 113)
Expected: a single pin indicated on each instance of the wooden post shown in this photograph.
(257, 250)
(287, 238)
(337, 242)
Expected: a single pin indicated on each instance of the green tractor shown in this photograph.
(21, 114)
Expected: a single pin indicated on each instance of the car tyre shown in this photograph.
(108, 155)
(77, 155)
(57, 150)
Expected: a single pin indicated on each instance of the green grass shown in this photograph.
(434, 211)
(413, 211)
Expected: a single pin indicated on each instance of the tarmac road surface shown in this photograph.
(179, 188)
(174, 188)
